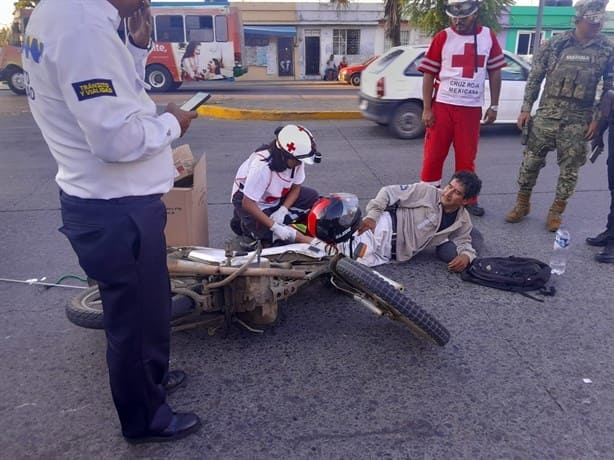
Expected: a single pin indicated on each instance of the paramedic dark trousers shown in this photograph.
(244, 223)
(120, 243)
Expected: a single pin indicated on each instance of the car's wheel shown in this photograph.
(159, 78)
(407, 121)
(15, 80)
(355, 79)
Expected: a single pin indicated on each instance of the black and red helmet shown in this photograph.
(334, 218)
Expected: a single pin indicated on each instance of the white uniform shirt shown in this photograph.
(87, 95)
(257, 182)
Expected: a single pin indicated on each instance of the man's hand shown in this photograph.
(490, 116)
(591, 130)
(459, 263)
(184, 118)
(597, 143)
(140, 25)
(366, 224)
(523, 119)
(428, 118)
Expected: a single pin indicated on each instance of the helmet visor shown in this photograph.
(461, 10)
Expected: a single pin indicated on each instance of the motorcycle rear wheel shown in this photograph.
(85, 309)
(395, 304)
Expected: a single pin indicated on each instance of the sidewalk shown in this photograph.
(231, 101)
(281, 108)
(228, 101)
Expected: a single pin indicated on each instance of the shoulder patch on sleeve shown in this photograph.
(90, 89)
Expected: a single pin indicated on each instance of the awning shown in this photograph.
(270, 31)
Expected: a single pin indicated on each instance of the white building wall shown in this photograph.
(324, 17)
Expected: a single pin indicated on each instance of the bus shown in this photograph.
(193, 41)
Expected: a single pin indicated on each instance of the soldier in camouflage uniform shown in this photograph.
(572, 64)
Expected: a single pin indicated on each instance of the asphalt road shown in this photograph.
(519, 379)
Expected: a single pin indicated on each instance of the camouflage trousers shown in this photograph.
(547, 134)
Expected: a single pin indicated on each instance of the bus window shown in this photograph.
(221, 28)
(199, 28)
(169, 28)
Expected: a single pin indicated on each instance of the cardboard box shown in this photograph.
(186, 205)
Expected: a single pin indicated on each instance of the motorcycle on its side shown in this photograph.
(215, 288)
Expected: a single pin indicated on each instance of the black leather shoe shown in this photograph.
(599, 240)
(181, 425)
(606, 257)
(475, 209)
(174, 380)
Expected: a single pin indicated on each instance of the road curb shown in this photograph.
(229, 113)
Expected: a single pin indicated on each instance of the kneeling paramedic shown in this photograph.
(268, 186)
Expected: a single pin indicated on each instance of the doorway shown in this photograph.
(285, 48)
(312, 55)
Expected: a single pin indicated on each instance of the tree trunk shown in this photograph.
(392, 11)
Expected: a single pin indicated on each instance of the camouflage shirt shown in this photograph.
(572, 71)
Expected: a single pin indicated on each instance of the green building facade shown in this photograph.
(518, 34)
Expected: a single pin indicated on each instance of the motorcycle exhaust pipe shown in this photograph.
(190, 268)
(370, 305)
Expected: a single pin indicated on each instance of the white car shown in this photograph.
(391, 90)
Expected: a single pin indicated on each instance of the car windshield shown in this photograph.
(385, 61)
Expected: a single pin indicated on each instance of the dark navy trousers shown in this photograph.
(120, 243)
(610, 224)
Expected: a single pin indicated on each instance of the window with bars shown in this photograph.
(346, 41)
(404, 40)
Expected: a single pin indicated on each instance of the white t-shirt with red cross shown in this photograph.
(257, 182)
(452, 59)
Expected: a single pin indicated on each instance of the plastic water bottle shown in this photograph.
(558, 260)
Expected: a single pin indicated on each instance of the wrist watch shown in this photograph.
(494, 108)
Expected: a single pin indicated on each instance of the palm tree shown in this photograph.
(392, 15)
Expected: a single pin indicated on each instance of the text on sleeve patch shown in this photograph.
(90, 89)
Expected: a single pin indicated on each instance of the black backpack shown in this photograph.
(517, 274)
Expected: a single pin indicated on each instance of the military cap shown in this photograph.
(591, 10)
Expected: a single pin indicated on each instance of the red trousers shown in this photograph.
(454, 125)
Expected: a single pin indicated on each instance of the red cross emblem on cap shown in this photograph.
(290, 147)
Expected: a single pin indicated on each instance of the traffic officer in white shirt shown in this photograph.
(87, 95)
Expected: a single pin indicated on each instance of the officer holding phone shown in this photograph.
(87, 94)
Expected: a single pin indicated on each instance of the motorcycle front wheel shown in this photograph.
(85, 309)
(395, 304)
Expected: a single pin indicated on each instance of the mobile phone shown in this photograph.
(195, 101)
